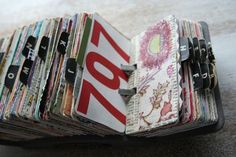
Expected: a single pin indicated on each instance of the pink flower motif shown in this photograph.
(166, 108)
(155, 60)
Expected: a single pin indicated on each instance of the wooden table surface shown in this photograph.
(131, 17)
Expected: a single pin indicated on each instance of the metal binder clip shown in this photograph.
(128, 69)
(127, 93)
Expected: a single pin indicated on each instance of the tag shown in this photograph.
(204, 64)
(29, 46)
(11, 76)
(205, 75)
(62, 44)
(204, 55)
(184, 48)
(196, 48)
(70, 73)
(43, 48)
(197, 76)
(25, 71)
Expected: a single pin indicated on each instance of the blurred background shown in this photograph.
(131, 17)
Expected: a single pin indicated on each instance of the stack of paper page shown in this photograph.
(80, 76)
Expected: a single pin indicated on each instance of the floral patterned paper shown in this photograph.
(157, 97)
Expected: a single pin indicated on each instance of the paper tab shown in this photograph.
(25, 71)
(70, 70)
(11, 76)
(62, 44)
(43, 48)
(29, 46)
(184, 48)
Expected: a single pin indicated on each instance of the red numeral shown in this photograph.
(89, 89)
(97, 30)
(114, 83)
